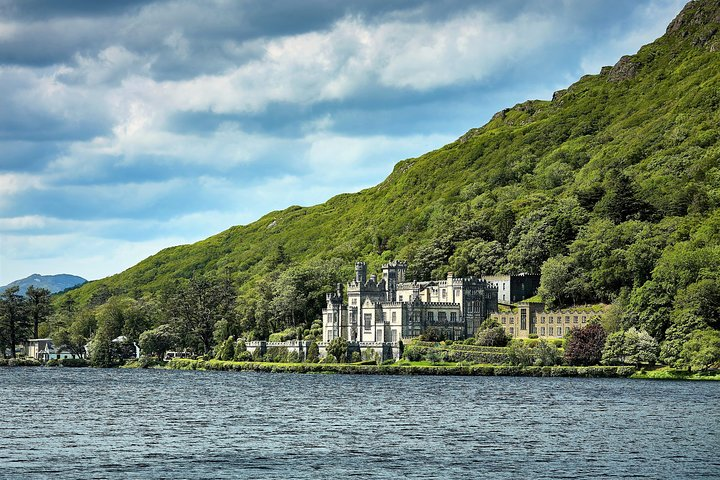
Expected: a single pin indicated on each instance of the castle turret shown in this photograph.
(360, 272)
(393, 273)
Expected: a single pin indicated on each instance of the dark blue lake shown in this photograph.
(89, 423)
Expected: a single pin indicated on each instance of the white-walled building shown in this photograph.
(391, 309)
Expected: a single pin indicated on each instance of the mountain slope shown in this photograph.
(606, 183)
(54, 283)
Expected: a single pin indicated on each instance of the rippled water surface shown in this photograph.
(89, 423)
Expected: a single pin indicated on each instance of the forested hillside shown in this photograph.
(610, 190)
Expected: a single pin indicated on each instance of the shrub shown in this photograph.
(355, 357)
(293, 357)
(492, 337)
(287, 334)
(370, 355)
(414, 353)
(276, 354)
(313, 353)
(226, 350)
(243, 356)
(469, 341)
(329, 358)
(389, 361)
(338, 347)
(585, 345)
(701, 350)
(23, 362)
(436, 356)
(432, 335)
(546, 354)
(519, 353)
(257, 355)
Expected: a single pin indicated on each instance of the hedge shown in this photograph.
(395, 369)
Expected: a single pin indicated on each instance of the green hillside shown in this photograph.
(611, 190)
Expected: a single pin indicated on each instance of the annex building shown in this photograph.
(390, 309)
(528, 319)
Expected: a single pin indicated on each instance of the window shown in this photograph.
(453, 317)
(431, 317)
(584, 319)
(504, 320)
(394, 317)
(523, 319)
(542, 319)
(444, 293)
(354, 301)
(567, 318)
(368, 320)
(401, 298)
(559, 330)
(353, 318)
(503, 296)
(442, 317)
(575, 319)
(394, 336)
(551, 319)
(542, 331)
(379, 335)
(550, 331)
(512, 330)
(384, 317)
(567, 329)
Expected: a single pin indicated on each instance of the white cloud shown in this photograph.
(352, 55)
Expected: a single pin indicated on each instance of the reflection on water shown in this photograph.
(83, 423)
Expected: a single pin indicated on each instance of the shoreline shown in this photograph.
(458, 370)
(486, 370)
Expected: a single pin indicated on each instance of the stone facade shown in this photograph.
(530, 318)
(390, 309)
(514, 288)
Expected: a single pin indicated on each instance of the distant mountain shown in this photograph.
(54, 283)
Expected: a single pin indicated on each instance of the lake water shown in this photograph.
(90, 423)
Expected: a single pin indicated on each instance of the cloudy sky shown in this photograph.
(127, 127)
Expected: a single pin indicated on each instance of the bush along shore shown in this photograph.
(404, 368)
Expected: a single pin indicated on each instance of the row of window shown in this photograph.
(551, 331)
(367, 318)
(575, 319)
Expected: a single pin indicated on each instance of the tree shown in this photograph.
(520, 353)
(546, 354)
(101, 347)
(198, 304)
(338, 347)
(157, 341)
(702, 350)
(632, 346)
(226, 350)
(614, 350)
(491, 334)
(640, 347)
(13, 318)
(38, 301)
(585, 345)
(313, 353)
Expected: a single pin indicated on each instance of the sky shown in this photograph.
(128, 127)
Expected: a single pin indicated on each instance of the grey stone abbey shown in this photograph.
(390, 309)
